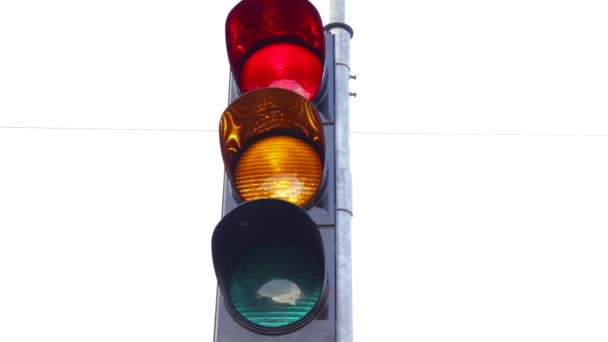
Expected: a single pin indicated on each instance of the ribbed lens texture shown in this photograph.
(283, 65)
(280, 167)
(275, 284)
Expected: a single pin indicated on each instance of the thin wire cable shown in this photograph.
(482, 134)
(111, 129)
(352, 132)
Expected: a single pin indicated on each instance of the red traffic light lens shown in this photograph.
(276, 43)
(283, 65)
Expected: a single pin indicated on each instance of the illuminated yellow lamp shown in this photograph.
(280, 167)
(273, 146)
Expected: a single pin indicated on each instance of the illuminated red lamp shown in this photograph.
(276, 43)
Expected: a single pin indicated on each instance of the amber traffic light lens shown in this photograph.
(273, 146)
(279, 167)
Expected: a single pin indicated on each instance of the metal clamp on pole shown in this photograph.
(344, 26)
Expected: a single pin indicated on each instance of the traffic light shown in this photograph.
(274, 248)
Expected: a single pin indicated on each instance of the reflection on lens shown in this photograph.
(280, 291)
(275, 284)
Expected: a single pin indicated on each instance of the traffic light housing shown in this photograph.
(274, 249)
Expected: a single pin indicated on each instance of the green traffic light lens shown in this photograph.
(269, 259)
(275, 284)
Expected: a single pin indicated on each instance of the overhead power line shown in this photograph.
(111, 129)
(352, 132)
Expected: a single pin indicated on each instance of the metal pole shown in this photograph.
(344, 304)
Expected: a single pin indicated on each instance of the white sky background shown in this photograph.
(482, 216)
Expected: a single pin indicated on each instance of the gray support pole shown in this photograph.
(344, 304)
